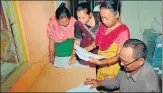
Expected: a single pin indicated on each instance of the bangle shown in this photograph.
(108, 64)
(51, 55)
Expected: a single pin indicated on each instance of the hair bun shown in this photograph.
(62, 4)
(87, 3)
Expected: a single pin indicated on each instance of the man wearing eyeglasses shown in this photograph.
(137, 75)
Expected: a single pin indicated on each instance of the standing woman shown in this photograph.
(110, 37)
(85, 29)
(60, 33)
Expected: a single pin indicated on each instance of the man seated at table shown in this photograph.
(136, 74)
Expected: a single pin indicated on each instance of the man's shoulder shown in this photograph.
(149, 72)
(150, 77)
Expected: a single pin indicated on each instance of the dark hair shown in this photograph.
(114, 5)
(84, 6)
(138, 46)
(62, 11)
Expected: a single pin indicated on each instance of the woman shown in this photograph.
(60, 33)
(110, 37)
(85, 29)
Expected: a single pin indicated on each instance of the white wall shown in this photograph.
(140, 15)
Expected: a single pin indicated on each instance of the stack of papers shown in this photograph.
(85, 55)
(83, 88)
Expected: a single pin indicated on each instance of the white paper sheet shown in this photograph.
(83, 88)
(85, 55)
(62, 62)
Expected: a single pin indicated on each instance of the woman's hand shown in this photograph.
(51, 51)
(72, 60)
(75, 46)
(51, 59)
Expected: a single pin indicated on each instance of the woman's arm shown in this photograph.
(113, 60)
(106, 61)
(51, 51)
(110, 61)
(120, 41)
(73, 55)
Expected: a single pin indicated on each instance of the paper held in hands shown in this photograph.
(85, 55)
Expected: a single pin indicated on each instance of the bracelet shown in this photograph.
(51, 55)
(108, 62)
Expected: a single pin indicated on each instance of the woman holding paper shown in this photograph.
(60, 33)
(110, 37)
(85, 29)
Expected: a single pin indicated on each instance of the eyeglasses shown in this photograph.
(121, 60)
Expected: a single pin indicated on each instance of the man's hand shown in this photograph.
(87, 81)
(72, 60)
(94, 83)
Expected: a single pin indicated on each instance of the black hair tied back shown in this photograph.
(62, 4)
(114, 5)
(84, 6)
(62, 11)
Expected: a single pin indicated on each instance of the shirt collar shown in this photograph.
(135, 76)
